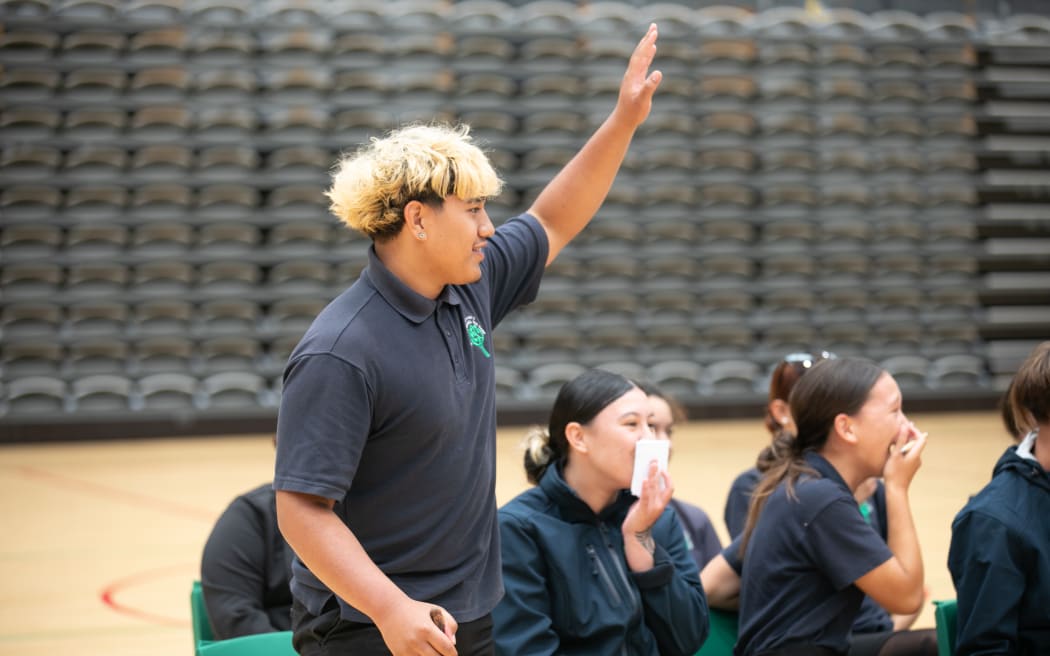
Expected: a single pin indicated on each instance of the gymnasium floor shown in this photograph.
(103, 539)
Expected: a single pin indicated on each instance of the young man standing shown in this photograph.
(385, 470)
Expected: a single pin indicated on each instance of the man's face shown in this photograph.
(457, 233)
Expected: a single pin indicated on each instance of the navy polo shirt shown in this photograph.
(389, 409)
(872, 618)
(801, 561)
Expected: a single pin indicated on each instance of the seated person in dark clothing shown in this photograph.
(872, 619)
(700, 534)
(588, 568)
(246, 569)
(808, 558)
(1000, 549)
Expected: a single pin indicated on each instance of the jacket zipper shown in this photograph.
(634, 605)
(599, 569)
(615, 557)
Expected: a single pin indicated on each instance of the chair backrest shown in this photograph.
(263, 644)
(944, 616)
(722, 636)
(278, 643)
(202, 633)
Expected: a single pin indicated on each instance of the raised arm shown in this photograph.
(897, 584)
(571, 199)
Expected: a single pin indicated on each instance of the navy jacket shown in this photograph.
(568, 587)
(1000, 562)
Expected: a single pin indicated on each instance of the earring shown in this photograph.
(421, 235)
(783, 421)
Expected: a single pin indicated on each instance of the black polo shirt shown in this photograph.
(801, 561)
(389, 409)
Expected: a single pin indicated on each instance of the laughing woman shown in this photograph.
(589, 568)
(809, 556)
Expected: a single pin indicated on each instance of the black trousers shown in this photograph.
(920, 642)
(329, 635)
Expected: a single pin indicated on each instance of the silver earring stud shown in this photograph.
(422, 235)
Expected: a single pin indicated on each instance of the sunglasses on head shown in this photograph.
(807, 360)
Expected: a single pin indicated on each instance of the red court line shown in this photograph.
(108, 595)
(125, 496)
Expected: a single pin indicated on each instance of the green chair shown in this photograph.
(202, 633)
(205, 644)
(722, 636)
(944, 616)
(262, 644)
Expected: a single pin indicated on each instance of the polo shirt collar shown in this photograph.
(825, 469)
(410, 304)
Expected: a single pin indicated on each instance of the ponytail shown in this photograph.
(787, 465)
(776, 451)
(538, 454)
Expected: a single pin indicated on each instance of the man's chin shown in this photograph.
(469, 278)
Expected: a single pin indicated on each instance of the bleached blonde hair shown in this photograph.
(428, 163)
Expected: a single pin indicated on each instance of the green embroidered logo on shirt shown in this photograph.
(476, 334)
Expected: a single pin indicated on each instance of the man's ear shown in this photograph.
(414, 213)
(844, 428)
(574, 436)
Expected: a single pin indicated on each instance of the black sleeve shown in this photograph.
(234, 572)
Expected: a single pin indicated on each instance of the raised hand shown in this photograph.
(905, 456)
(657, 490)
(638, 86)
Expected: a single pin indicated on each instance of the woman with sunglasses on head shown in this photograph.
(700, 535)
(587, 567)
(781, 428)
(870, 495)
(1000, 549)
(807, 557)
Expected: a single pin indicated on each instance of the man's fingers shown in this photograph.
(644, 53)
(653, 81)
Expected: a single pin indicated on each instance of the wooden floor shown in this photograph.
(103, 539)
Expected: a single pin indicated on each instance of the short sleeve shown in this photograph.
(322, 426)
(732, 555)
(739, 501)
(514, 262)
(843, 544)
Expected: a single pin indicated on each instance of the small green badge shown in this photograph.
(476, 334)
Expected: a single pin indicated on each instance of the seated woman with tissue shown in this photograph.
(588, 567)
